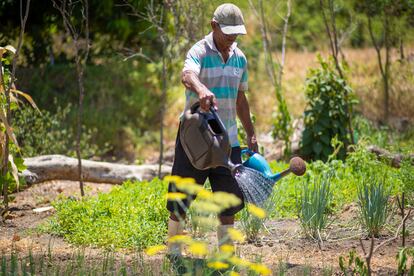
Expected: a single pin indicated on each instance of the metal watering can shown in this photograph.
(205, 140)
(206, 143)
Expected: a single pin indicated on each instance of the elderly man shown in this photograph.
(215, 73)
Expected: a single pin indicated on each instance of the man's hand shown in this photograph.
(207, 98)
(252, 143)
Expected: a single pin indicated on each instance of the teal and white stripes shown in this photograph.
(223, 79)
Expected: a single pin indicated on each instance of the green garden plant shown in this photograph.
(11, 163)
(314, 203)
(353, 266)
(131, 216)
(373, 196)
(403, 257)
(252, 220)
(325, 115)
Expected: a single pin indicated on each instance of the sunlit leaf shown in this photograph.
(14, 171)
(27, 97)
(9, 130)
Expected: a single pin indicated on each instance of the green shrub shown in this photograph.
(42, 133)
(131, 215)
(314, 203)
(373, 198)
(117, 95)
(325, 115)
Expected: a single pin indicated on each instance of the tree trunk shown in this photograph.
(60, 167)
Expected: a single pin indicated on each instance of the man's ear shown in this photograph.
(213, 24)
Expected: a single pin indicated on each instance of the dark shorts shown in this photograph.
(220, 179)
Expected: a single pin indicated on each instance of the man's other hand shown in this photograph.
(252, 143)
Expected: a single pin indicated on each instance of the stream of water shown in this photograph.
(256, 187)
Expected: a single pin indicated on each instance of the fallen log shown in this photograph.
(395, 159)
(60, 167)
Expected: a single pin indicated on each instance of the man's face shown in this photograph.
(223, 40)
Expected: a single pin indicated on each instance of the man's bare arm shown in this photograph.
(243, 112)
(193, 83)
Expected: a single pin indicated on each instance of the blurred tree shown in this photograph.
(110, 27)
(383, 19)
(330, 10)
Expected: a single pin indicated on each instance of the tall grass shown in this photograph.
(373, 198)
(313, 205)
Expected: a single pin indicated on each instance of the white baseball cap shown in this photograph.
(230, 19)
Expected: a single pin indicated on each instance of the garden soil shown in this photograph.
(281, 245)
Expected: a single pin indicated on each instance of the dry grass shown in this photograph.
(364, 76)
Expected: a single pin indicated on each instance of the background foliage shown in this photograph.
(128, 95)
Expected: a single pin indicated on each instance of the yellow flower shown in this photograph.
(234, 273)
(225, 200)
(235, 235)
(198, 248)
(260, 269)
(189, 188)
(227, 248)
(238, 261)
(206, 207)
(217, 265)
(181, 239)
(207, 222)
(152, 250)
(172, 178)
(204, 194)
(186, 180)
(176, 196)
(256, 211)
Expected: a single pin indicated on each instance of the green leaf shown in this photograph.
(325, 139)
(307, 150)
(19, 162)
(317, 147)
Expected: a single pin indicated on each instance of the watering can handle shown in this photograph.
(247, 151)
(216, 116)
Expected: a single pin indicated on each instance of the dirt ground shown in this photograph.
(282, 242)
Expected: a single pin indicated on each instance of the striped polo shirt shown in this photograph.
(223, 79)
